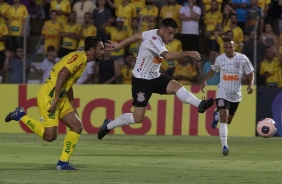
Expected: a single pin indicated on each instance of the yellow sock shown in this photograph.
(34, 125)
(69, 145)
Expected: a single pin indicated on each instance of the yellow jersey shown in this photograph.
(70, 43)
(139, 4)
(117, 36)
(87, 31)
(51, 32)
(274, 68)
(221, 47)
(211, 20)
(16, 17)
(174, 46)
(64, 6)
(171, 12)
(237, 33)
(126, 73)
(207, 4)
(4, 9)
(262, 3)
(186, 71)
(134, 47)
(75, 62)
(154, 11)
(127, 13)
(3, 32)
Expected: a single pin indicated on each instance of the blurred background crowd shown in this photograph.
(35, 34)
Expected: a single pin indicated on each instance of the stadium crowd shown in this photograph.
(61, 25)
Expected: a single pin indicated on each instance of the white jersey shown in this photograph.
(148, 60)
(231, 73)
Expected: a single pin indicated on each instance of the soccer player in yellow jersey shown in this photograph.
(69, 36)
(50, 32)
(3, 37)
(17, 15)
(88, 29)
(4, 9)
(63, 8)
(56, 102)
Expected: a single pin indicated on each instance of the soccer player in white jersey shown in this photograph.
(146, 75)
(232, 66)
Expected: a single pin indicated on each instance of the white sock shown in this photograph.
(187, 97)
(223, 133)
(123, 120)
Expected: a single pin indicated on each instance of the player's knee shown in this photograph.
(50, 138)
(138, 119)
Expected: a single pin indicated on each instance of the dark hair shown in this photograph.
(229, 31)
(227, 40)
(91, 41)
(169, 22)
(50, 48)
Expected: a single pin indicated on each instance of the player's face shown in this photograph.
(229, 48)
(168, 34)
(99, 51)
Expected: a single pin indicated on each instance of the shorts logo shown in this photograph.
(220, 103)
(140, 97)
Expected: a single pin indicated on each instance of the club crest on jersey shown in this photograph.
(237, 64)
(140, 97)
(220, 102)
(72, 59)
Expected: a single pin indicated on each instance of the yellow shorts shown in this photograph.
(44, 102)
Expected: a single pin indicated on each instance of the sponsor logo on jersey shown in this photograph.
(141, 65)
(230, 77)
(140, 97)
(154, 38)
(72, 59)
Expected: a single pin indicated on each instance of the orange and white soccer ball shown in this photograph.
(266, 128)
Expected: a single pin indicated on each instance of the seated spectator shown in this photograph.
(125, 69)
(185, 72)
(270, 68)
(207, 66)
(14, 64)
(107, 69)
(49, 61)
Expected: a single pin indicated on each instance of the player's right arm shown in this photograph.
(132, 39)
(207, 77)
(179, 55)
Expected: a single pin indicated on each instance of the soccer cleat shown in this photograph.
(205, 104)
(225, 150)
(15, 115)
(214, 122)
(104, 129)
(64, 166)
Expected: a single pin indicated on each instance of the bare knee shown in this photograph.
(77, 129)
(138, 119)
(50, 137)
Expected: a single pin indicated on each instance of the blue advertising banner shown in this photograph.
(269, 104)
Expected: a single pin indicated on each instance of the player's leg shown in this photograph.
(232, 111)
(174, 87)
(72, 121)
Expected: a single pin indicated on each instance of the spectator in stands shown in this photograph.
(271, 67)
(125, 69)
(88, 74)
(4, 35)
(101, 16)
(50, 33)
(219, 40)
(237, 32)
(139, 5)
(185, 72)
(168, 66)
(264, 5)
(254, 16)
(81, 7)
(171, 10)
(17, 15)
(212, 23)
(126, 10)
(14, 64)
(69, 36)
(117, 34)
(108, 69)
(148, 16)
(207, 66)
(241, 11)
(63, 8)
(49, 61)
(37, 17)
(207, 5)
(88, 29)
(4, 11)
(227, 11)
(268, 37)
(190, 16)
(134, 47)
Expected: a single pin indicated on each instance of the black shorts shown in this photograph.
(142, 89)
(225, 104)
(2, 59)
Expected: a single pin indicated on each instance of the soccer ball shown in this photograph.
(266, 128)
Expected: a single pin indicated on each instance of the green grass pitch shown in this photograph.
(121, 159)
